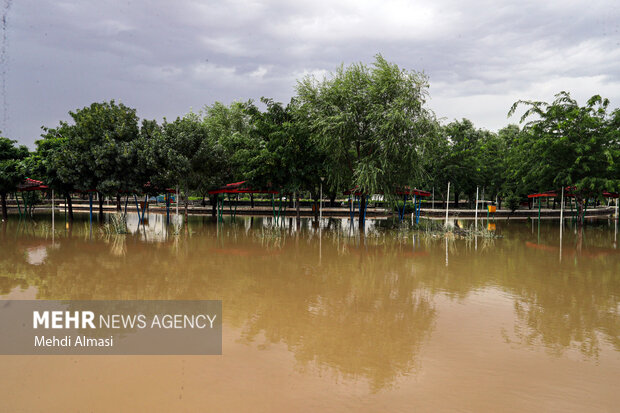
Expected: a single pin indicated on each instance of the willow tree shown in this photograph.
(371, 121)
(570, 145)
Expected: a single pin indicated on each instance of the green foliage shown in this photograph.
(569, 145)
(372, 123)
(513, 201)
(11, 169)
(96, 152)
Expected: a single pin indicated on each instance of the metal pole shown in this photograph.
(476, 213)
(446, 224)
(561, 212)
(561, 221)
(321, 203)
(53, 226)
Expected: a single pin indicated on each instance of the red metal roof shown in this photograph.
(240, 188)
(31, 185)
(568, 192)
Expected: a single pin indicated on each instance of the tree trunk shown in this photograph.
(362, 212)
(298, 212)
(204, 203)
(213, 201)
(5, 214)
(581, 210)
(332, 200)
(456, 200)
(69, 208)
(118, 202)
(252, 201)
(499, 202)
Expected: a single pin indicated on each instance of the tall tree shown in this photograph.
(570, 145)
(96, 152)
(287, 158)
(10, 169)
(372, 122)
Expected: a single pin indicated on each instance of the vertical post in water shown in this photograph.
(90, 207)
(177, 205)
(447, 204)
(561, 221)
(321, 203)
(53, 216)
(476, 213)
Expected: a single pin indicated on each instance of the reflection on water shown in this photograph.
(348, 308)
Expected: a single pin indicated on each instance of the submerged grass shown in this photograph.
(116, 225)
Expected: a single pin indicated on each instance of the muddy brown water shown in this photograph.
(323, 319)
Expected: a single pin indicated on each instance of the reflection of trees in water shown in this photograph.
(366, 310)
(360, 315)
(572, 304)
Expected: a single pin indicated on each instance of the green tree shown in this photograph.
(570, 145)
(462, 160)
(188, 156)
(11, 173)
(287, 157)
(95, 153)
(372, 123)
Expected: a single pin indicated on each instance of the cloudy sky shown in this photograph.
(165, 58)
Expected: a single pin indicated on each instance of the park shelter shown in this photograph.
(568, 193)
(28, 185)
(236, 188)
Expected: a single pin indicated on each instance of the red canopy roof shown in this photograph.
(568, 191)
(31, 185)
(239, 188)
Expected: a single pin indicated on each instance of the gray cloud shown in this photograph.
(167, 57)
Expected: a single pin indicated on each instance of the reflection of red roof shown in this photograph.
(589, 252)
(31, 185)
(240, 188)
(404, 191)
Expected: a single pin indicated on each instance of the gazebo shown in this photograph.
(28, 185)
(237, 188)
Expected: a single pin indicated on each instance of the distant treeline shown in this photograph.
(365, 127)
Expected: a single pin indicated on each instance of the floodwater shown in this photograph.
(322, 319)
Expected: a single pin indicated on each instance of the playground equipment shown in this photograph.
(355, 196)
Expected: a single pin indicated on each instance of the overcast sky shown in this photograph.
(167, 57)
